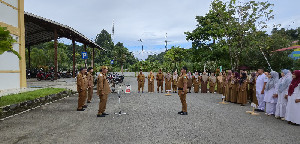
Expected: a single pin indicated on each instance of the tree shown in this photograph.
(175, 56)
(6, 42)
(230, 27)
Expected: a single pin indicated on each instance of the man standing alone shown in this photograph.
(141, 81)
(182, 90)
(103, 90)
(261, 82)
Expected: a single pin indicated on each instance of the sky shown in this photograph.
(148, 20)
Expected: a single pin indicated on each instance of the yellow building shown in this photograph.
(38, 30)
(13, 70)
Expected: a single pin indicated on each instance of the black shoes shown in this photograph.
(105, 114)
(80, 109)
(102, 115)
(183, 113)
(84, 106)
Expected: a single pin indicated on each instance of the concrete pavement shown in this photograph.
(152, 118)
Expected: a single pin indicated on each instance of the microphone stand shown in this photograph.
(120, 112)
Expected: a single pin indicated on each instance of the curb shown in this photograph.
(15, 109)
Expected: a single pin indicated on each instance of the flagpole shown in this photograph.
(113, 31)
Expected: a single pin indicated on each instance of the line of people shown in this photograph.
(279, 97)
(85, 89)
(205, 82)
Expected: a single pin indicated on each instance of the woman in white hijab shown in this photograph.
(281, 91)
(270, 93)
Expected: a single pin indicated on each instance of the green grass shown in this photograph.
(31, 95)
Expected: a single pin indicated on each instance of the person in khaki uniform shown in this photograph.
(228, 86)
(103, 90)
(204, 81)
(182, 90)
(168, 82)
(235, 87)
(160, 81)
(150, 82)
(251, 86)
(81, 89)
(174, 82)
(212, 83)
(223, 83)
(196, 82)
(219, 83)
(90, 80)
(243, 85)
(141, 81)
(190, 81)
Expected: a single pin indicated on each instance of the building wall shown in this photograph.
(13, 70)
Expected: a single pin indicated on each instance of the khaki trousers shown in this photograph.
(151, 86)
(90, 93)
(141, 85)
(174, 87)
(160, 84)
(102, 103)
(183, 100)
(81, 99)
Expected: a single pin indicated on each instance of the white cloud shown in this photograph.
(135, 19)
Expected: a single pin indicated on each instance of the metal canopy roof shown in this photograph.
(39, 30)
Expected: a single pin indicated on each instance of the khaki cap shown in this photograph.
(104, 67)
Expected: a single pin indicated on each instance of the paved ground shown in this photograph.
(152, 118)
(68, 83)
(34, 84)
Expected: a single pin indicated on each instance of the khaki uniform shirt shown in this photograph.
(175, 80)
(90, 79)
(151, 77)
(102, 85)
(182, 79)
(141, 78)
(196, 80)
(160, 77)
(81, 82)
(244, 85)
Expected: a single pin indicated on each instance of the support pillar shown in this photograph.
(22, 61)
(73, 43)
(85, 61)
(55, 54)
(29, 63)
